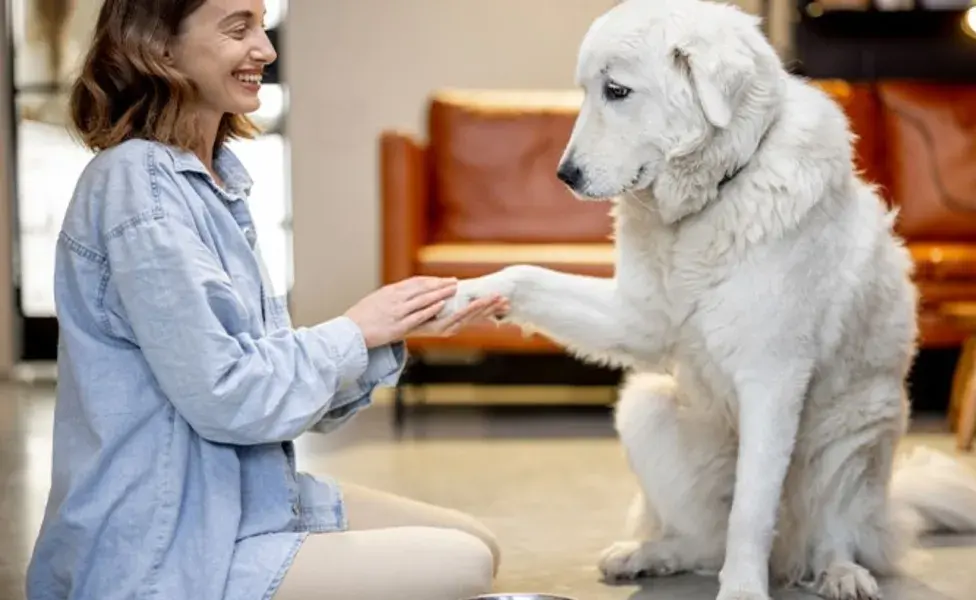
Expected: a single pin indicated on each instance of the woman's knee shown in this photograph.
(432, 563)
(470, 525)
(469, 563)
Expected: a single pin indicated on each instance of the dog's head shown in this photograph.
(660, 78)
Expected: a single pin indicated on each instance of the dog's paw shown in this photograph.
(500, 283)
(741, 588)
(848, 581)
(627, 561)
(743, 577)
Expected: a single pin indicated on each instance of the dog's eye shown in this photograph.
(614, 91)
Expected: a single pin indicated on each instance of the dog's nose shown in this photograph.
(570, 174)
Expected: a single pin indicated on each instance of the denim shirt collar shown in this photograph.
(237, 181)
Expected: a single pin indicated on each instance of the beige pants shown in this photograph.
(394, 548)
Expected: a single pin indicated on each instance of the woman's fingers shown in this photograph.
(418, 318)
(422, 284)
(422, 318)
(501, 306)
(482, 308)
(472, 310)
(426, 299)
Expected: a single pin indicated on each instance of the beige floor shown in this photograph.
(551, 483)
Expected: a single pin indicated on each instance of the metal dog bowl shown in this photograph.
(527, 596)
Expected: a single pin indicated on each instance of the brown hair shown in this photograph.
(127, 90)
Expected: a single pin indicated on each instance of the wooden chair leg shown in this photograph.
(966, 401)
(960, 380)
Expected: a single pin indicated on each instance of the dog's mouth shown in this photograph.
(640, 175)
(635, 183)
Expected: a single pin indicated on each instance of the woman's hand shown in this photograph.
(391, 312)
(482, 308)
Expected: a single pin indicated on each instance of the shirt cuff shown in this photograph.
(384, 368)
(385, 364)
(343, 342)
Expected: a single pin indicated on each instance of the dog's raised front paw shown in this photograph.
(848, 581)
(626, 561)
(499, 283)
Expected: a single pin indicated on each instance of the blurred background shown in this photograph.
(415, 137)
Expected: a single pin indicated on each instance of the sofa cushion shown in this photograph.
(944, 272)
(944, 262)
(930, 132)
(494, 156)
(473, 260)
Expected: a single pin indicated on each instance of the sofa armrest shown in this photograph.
(404, 195)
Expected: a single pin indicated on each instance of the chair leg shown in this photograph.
(409, 377)
(966, 424)
(399, 408)
(960, 379)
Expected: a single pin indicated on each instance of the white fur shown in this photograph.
(770, 322)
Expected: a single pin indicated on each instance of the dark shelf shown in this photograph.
(869, 45)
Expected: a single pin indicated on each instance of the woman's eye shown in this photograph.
(614, 91)
(238, 32)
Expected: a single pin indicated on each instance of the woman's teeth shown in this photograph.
(249, 77)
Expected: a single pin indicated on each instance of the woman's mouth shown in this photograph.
(250, 79)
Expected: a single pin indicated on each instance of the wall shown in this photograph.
(355, 67)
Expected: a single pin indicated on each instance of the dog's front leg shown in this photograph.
(770, 403)
(584, 314)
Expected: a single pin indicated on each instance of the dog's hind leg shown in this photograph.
(845, 529)
(852, 534)
(685, 463)
(890, 504)
(844, 511)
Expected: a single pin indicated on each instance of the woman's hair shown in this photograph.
(127, 89)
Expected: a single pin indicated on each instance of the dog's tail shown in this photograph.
(938, 491)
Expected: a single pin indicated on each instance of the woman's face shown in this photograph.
(223, 49)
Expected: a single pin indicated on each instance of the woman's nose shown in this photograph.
(265, 51)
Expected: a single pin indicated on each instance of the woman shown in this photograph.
(181, 380)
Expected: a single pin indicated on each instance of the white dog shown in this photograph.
(760, 289)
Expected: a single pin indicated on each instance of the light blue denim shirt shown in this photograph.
(181, 385)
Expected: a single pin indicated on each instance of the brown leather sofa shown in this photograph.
(480, 192)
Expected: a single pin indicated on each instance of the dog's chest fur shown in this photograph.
(671, 272)
(664, 268)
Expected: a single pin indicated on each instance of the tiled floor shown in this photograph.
(552, 484)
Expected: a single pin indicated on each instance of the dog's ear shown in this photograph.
(717, 78)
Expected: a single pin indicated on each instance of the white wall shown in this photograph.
(355, 67)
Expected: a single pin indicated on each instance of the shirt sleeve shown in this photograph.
(189, 321)
(383, 369)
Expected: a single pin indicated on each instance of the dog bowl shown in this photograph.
(524, 596)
